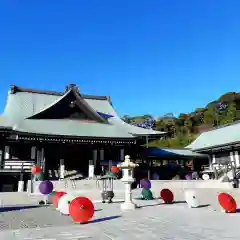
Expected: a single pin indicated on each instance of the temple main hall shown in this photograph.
(63, 130)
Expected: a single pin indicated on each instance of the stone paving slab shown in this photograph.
(168, 222)
(153, 220)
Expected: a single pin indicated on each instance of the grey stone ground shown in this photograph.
(153, 220)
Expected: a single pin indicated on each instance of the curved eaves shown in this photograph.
(80, 102)
(50, 105)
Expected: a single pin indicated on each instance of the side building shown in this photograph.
(63, 130)
(222, 145)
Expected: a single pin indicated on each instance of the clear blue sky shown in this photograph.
(153, 57)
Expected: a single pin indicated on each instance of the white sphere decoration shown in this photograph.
(205, 176)
(191, 199)
(63, 203)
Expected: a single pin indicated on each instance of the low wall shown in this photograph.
(91, 185)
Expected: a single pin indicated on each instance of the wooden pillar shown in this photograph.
(38, 157)
(102, 154)
(43, 164)
(122, 154)
(2, 158)
(33, 153)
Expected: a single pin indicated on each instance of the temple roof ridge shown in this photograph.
(15, 89)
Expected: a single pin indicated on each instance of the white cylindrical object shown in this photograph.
(62, 170)
(91, 171)
(20, 186)
(29, 186)
(191, 199)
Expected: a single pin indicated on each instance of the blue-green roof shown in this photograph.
(172, 152)
(67, 127)
(24, 104)
(217, 137)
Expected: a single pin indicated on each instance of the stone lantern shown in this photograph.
(107, 188)
(127, 169)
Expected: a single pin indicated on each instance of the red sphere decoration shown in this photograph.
(81, 209)
(56, 198)
(114, 169)
(35, 169)
(166, 195)
(227, 202)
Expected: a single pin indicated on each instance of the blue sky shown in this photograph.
(153, 57)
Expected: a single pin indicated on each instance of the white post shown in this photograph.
(21, 183)
(237, 159)
(7, 153)
(213, 159)
(20, 186)
(29, 186)
(233, 164)
(232, 157)
(90, 170)
(62, 168)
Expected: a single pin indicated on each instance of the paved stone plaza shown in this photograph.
(153, 220)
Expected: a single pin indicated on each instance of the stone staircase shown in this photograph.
(68, 175)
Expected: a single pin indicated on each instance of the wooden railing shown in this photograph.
(17, 165)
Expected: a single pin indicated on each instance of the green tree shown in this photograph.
(187, 126)
(230, 114)
(211, 116)
(161, 126)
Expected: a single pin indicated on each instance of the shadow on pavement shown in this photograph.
(17, 208)
(179, 202)
(104, 219)
(204, 205)
(238, 210)
(150, 205)
(98, 210)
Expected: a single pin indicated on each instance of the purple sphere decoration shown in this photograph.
(188, 176)
(45, 187)
(145, 183)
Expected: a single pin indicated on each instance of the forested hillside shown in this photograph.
(183, 129)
